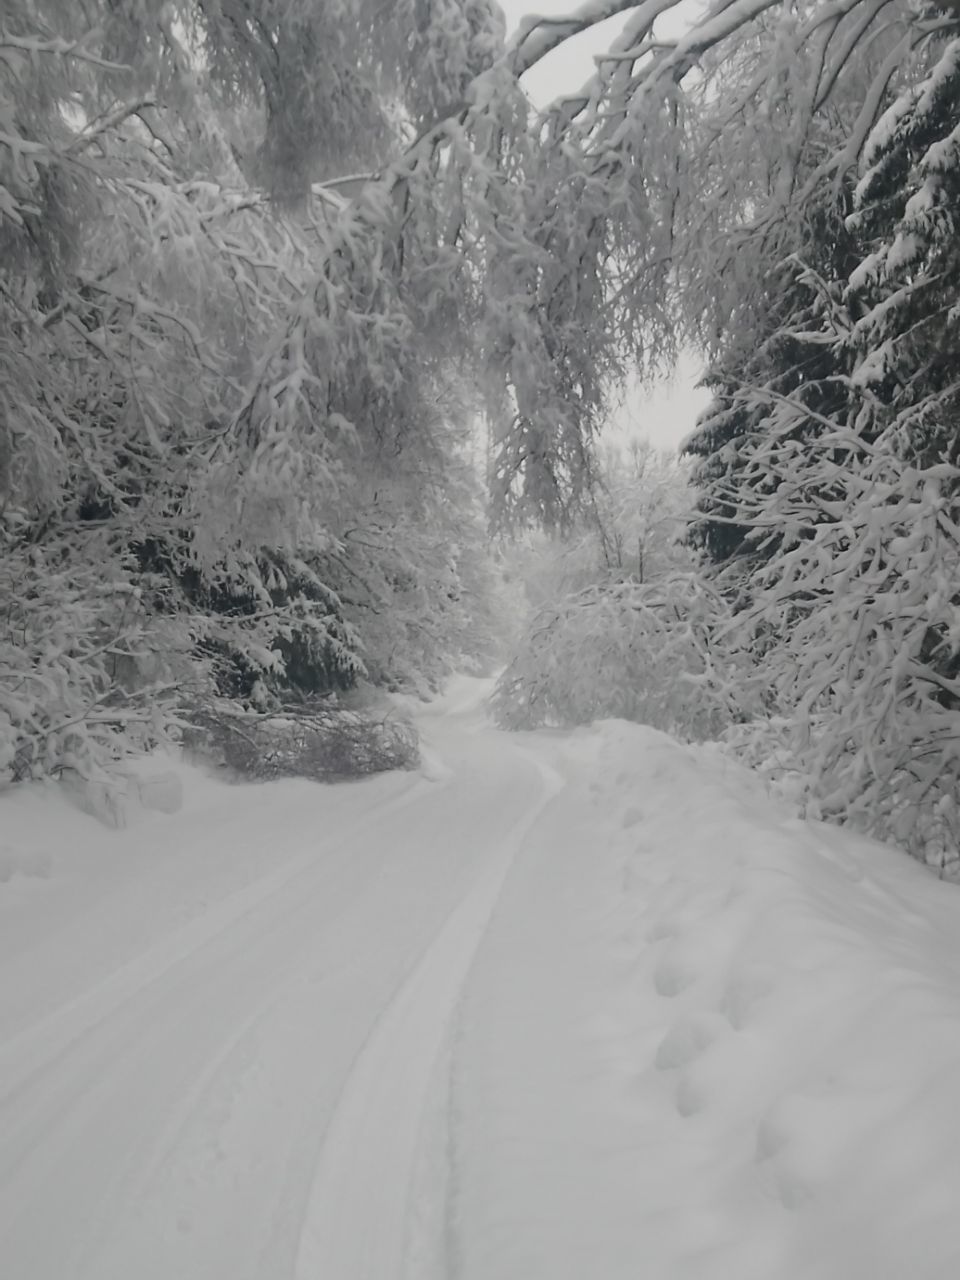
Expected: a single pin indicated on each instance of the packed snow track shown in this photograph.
(221, 1065)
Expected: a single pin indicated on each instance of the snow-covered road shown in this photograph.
(221, 1066)
(568, 1007)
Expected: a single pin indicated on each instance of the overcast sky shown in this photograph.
(665, 413)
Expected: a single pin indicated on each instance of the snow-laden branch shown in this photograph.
(538, 36)
(36, 46)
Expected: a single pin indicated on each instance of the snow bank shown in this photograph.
(776, 1037)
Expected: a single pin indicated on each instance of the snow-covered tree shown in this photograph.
(640, 651)
(836, 478)
(631, 527)
(194, 432)
(620, 623)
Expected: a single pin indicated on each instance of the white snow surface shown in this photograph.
(564, 1006)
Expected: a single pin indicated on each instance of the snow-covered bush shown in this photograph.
(642, 652)
(621, 624)
(86, 675)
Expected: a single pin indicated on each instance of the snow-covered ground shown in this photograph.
(575, 1006)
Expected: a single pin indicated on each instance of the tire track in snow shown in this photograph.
(43, 1045)
(62, 1077)
(172, 1123)
(358, 1211)
(97, 1077)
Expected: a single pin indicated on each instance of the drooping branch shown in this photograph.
(538, 36)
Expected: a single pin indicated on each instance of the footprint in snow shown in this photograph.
(780, 1142)
(687, 1039)
(745, 990)
(772, 1136)
(690, 1098)
(661, 931)
(674, 975)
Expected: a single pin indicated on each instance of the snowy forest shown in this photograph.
(311, 325)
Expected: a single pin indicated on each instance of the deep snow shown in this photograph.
(580, 1006)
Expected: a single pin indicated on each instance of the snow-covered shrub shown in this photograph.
(643, 652)
(86, 676)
